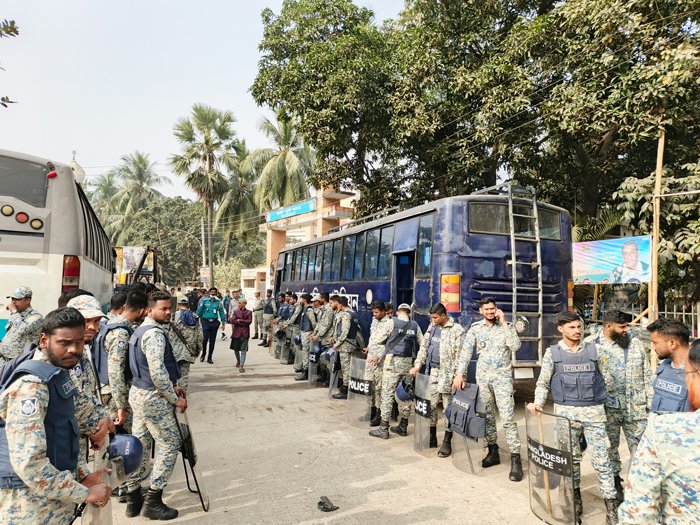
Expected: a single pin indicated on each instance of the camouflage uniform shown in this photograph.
(326, 325)
(119, 384)
(440, 384)
(587, 420)
(117, 343)
(305, 341)
(494, 375)
(88, 406)
(154, 414)
(344, 347)
(50, 495)
(375, 348)
(662, 486)
(184, 355)
(258, 318)
(22, 328)
(267, 318)
(628, 380)
(293, 328)
(395, 369)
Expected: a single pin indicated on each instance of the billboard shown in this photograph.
(128, 259)
(291, 211)
(613, 261)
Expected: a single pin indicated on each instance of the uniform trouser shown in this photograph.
(209, 329)
(590, 421)
(345, 354)
(496, 391)
(305, 349)
(395, 369)
(266, 318)
(184, 380)
(633, 429)
(22, 506)
(294, 331)
(258, 325)
(375, 372)
(434, 395)
(154, 419)
(112, 408)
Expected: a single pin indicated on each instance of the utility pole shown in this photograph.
(204, 253)
(654, 285)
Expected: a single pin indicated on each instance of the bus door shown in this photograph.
(404, 278)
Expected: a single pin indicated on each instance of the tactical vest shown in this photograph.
(576, 380)
(284, 311)
(139, 364)
(267, 307)
(354, 327)
(670, 390)
(405, 346)
(99, 352)
(433, 351)
(296, 321)
(305, 323)
(60, 425)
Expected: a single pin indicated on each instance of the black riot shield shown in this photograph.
(421, 427)
(550, 467)
(333, 364)
(189, 457)
(467, 418)
(360, 390)
(314, 364)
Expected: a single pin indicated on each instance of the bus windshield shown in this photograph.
(24, 180)
(493, 218)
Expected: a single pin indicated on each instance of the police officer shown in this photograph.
(374, 367)
(670, 339)
(324, 332)
(495, 341)
(343, 341)
(663, 478)
(212, 314)
(186, 339)
(401, 346)
(269, 312)
(258, 316)
(152, 397)
(116, 305)
(283, 313)
(440, 353)
(292, 323)
(43, 475)
(627, 375)
(572, 362)
(22, 327)
(306, 327)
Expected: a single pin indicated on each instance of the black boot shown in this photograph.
(155, 509)
(492, 458)
(446, 448)
(382, 431)
(134, 502)
(402, 428)
(376, 419)
(578, 504)
(433, 437)
(201, 359)
(394, 411)
(516, 468)
(611, 506)
(619, 487)
(303, 376)
(342, 394)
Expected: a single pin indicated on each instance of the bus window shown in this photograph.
(385, 248)
(23, 180)
(425, 245)
(293, 272)
(359, 254)
(371, 254)
(304, 264)
(549, 225)
(348, 257)
(327, 256)
(487, 217)
(319, 262)
(337, 256)
(287, 266)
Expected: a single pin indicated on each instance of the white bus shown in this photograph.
(50, 237)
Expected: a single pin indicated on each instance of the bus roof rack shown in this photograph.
(366, 218)
(517, 190)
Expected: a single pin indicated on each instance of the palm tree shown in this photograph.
(102, 192)
(237, 212)
(283, 168)
(207, 143)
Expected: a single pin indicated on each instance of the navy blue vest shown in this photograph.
(284, 311)
(60, 425)
(305, 323)
(292, 309)
(576, 380)
(406, 346)
(99, 352)
(267, 307)
(670, 390)
(354, 327)
(139, 365)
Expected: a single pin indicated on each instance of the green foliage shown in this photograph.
(248, 255)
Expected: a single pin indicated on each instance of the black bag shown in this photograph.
(466, 413)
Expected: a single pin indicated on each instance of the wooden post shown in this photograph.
(654, 284)
(594, 314)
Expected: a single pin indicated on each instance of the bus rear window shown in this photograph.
(493, 218)
(23, 180)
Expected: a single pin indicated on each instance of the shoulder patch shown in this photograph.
(121, 345)
(78, 369)
(29, 407)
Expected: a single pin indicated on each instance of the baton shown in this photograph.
(546, 473)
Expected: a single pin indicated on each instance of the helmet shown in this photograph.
(297, 339)
(329, 355)
(404, 392)
(129, 448)
(280, 335)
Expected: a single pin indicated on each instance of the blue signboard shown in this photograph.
(613, 261)
(291, 211)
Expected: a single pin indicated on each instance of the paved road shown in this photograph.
(269, 448)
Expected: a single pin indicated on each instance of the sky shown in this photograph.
(107, 78)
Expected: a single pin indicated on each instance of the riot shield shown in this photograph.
(298, 362)
(92, 514)
(314, 369)
(550, 467)
(189, 457)
(421, 429)
(334, 370)
(469, 430)
(360, 392)
(285, 353)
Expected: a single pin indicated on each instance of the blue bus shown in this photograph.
(499, 242)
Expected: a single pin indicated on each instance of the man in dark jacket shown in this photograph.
(240, 321)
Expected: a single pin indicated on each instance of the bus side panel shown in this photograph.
(96, 280)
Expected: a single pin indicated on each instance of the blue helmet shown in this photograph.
(404, 391)
(297, 339)
(280, 335)
(129, 448)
